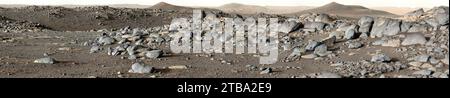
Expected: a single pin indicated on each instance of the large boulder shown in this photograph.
(350, 32)
(385, 26)
(379, 27)
(289, 26)
(393, 28)
(414, 38)
(365, 24)
(405, 26)
(315, 25)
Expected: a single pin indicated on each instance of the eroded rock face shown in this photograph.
(385, 26)
(365, 24)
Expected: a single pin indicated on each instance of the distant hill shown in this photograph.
(397, 10)
(254, 9)
(353, 11)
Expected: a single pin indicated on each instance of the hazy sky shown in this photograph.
(368, 3)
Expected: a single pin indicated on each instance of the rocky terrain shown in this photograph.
(332, 41)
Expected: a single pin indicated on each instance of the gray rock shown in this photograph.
(329, 42)
(104, 40)
(94, 49)
(296, 54)
(432, 21)
(423, 72)
(289, 26)
(393, 28)
(315, 25)
(422, 58)
(311, 45)
(419, 28)
(354, 45)
(350, 32)
(328, 75)
(153, 54)
(433, 60)
(379, 27)
(46, 60)
(381, 57)
(441, 14)
(365, 24)
(140, 68)
(385, 26)
(415, 38)
(405, 26)
(321, 50)
(266, 71)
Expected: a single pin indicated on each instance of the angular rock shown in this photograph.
(422, 58)
(391, 43)
(415, 38)
(153, 54)
(365, 24)
(140, 68)
(104, 40)
(423, 72)
(354, 45)
(381, 57)
(46, 60)
(321, 50)
(311, 45)
(350, 33)
(94, 49)
(329, 42)
(419, 28)
(393, 28)
(289, 26)
(405, 26)
(315, 25)
(379, 27)
(266, 71)
(296, 54)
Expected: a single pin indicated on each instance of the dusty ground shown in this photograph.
(66, 29)
(17, 60)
